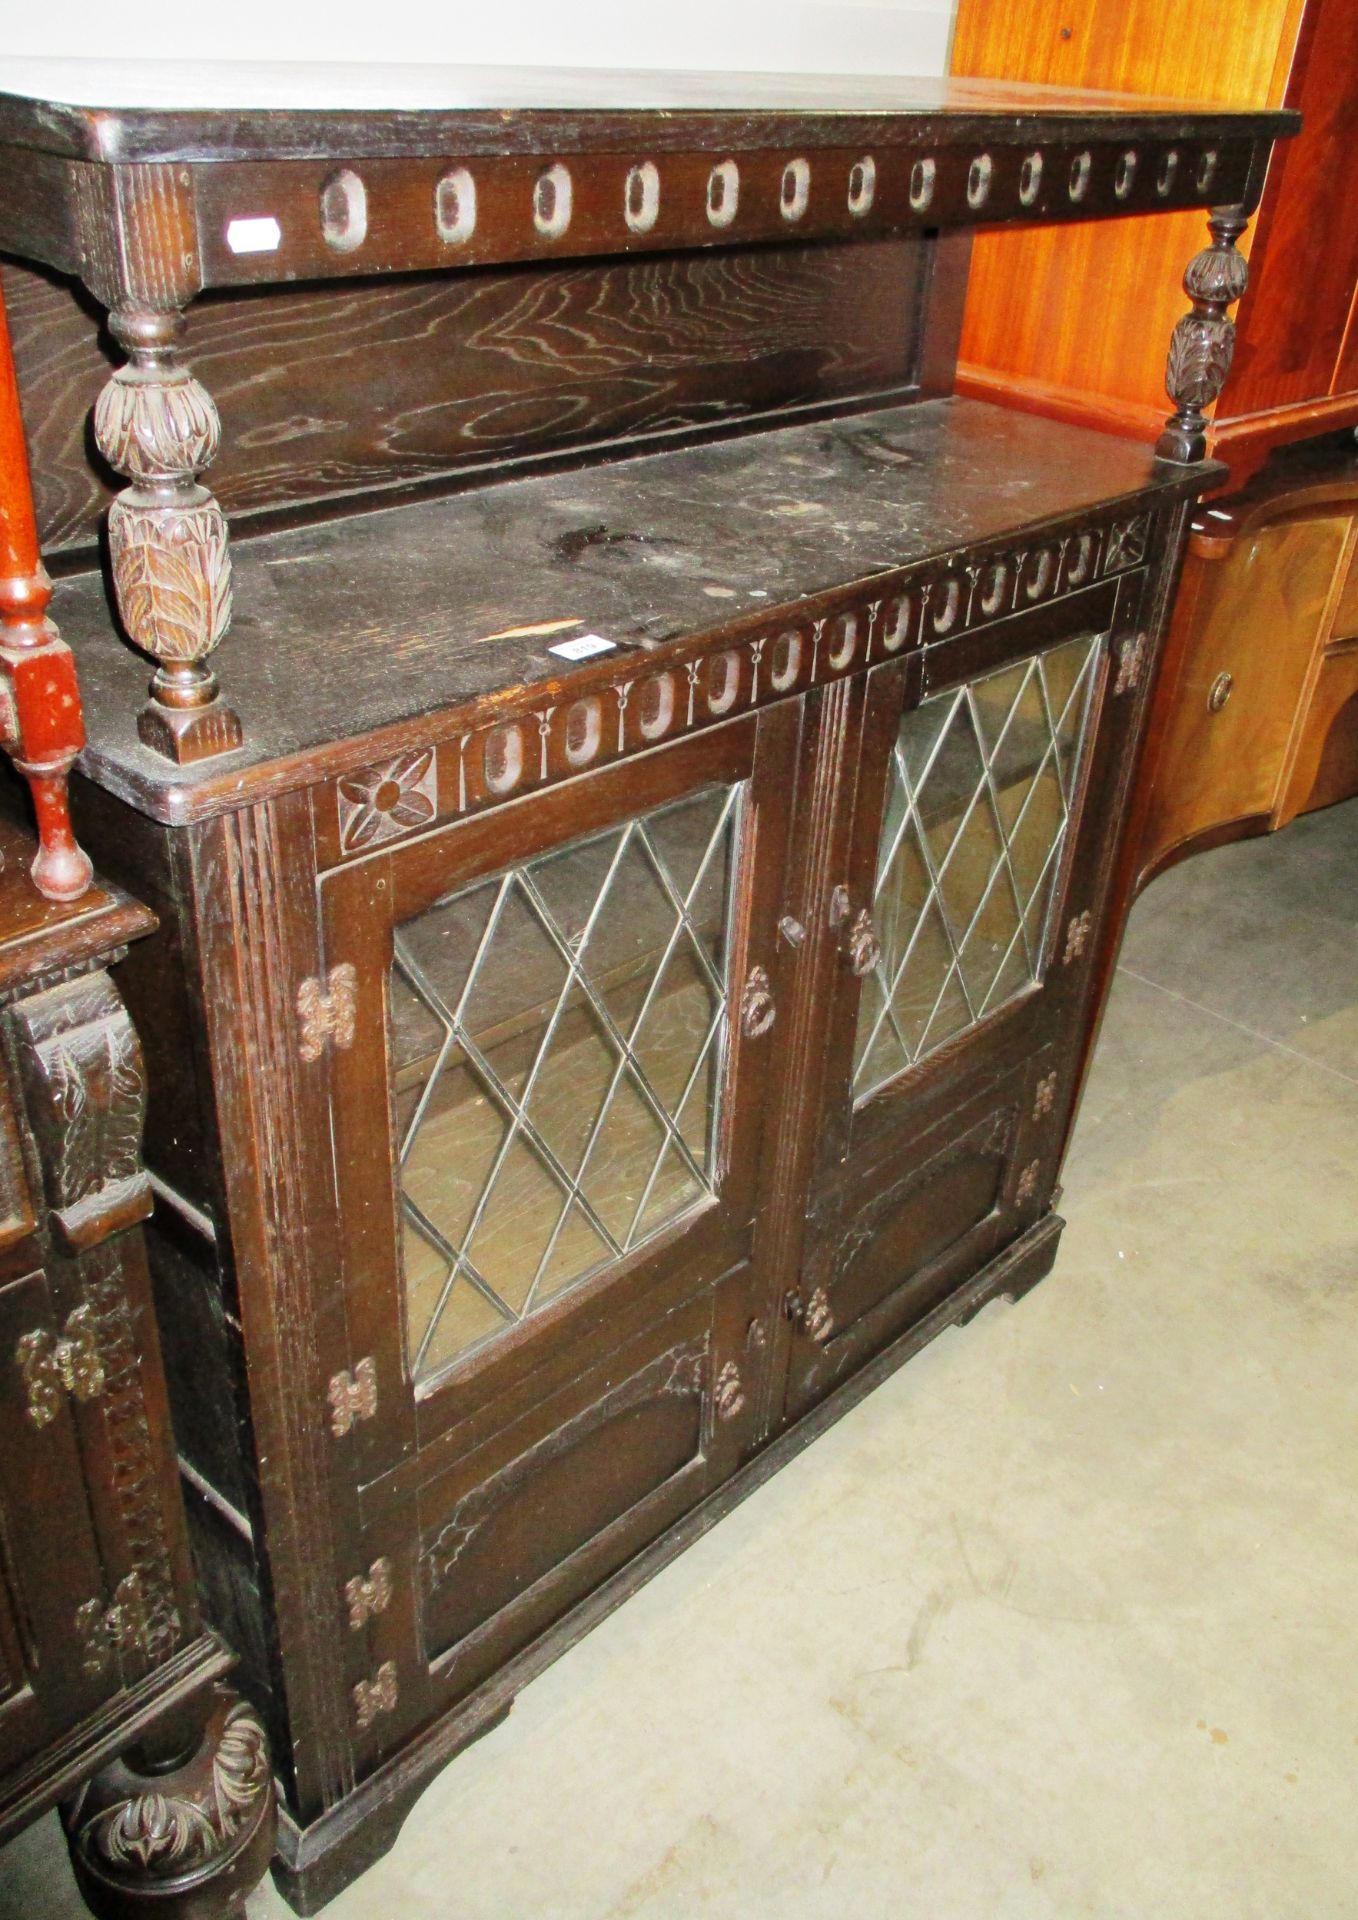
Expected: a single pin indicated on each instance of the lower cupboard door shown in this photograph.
(885, 1251)
(496, 1540)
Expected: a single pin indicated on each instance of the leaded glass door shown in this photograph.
(545, 1131)
(970, 796)
(955, 993)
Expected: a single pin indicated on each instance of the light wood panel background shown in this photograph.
(1052, 319)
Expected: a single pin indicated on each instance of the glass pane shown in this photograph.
(978, 810)
(556, 1066)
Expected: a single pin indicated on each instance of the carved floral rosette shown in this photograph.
(172, 571)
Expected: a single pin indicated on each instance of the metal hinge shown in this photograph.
(1077, 935)
(375, 1696)
(758, 1008)
(1044, 1098)
(103, 1630)
(352, 1397)
(328, 1012)
(1131, 659)
(51, 1366)
(366, 1596)
(728, 1394)
(813, 1317)
(1027, 1185)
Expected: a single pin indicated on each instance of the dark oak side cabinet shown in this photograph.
(625, 922)
(111, 1687)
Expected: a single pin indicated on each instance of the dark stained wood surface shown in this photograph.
(574, 111)
(328, 390)
(350, 626)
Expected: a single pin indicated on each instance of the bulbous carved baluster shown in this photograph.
(167, 534)
(1204, 340)
(41, 725)
(181, 1829)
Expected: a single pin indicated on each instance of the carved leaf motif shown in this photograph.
(1218, 275)
(172, 573)
(240, 1768)
(169, 1833)
(156, 1832)
(156, 428)
(100, 1144)
(1199, 359)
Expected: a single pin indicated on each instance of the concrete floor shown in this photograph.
(1061, 1620)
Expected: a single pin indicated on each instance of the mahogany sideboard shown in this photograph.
(111, 1694)
(626, 914)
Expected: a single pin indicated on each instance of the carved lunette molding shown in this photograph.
(168, 543)
(531, 748)
(1203, 342)
(679, 1371)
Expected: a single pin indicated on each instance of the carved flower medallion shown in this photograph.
(382, 802)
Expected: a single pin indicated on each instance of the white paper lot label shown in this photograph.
(583, 647)
(257, 235)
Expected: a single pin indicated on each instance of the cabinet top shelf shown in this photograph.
(404, 623)
(240, 180)
(118, 111)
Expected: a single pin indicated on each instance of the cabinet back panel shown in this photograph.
(326, 390)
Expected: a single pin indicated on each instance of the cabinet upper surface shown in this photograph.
(387, 617)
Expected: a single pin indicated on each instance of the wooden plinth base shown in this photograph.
(189, 733)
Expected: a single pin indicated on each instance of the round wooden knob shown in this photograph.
(1220, 692)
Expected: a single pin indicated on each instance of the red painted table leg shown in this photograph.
(41, 724)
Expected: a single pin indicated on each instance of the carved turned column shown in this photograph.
(41, 724)
(167, 534)
(1203, 342)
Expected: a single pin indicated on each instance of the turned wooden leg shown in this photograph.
(184, 1827)
(167, 535)
(41, 725)
(1204, 340)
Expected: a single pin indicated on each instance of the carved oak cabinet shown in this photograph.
(111, 1694)
(627, 913)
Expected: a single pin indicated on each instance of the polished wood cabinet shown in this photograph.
(625, 922)
(1254, 720)
(1075, 330)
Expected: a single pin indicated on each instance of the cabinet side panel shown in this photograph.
(1294, 314)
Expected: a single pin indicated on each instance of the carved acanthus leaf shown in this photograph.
(1218, 275)
(153, 425)
(172, 573)
(1200, 354)
(165, 1833)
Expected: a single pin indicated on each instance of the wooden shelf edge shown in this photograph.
(1073, 405)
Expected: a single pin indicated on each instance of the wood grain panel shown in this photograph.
(1048, 307)
(327, 390)
(1260, 618)
(1293, 318)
